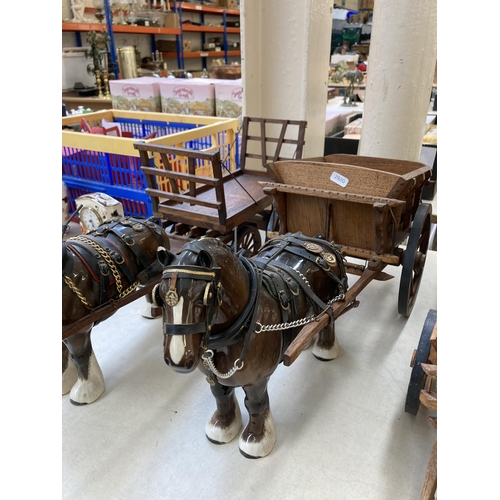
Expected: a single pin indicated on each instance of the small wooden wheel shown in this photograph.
(414, 259)
(420, 355)
(248, 237)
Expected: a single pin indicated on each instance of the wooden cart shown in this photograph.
(228, 205)
(422, 388)
(371, 207)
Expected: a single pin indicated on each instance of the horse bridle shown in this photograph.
(211, 297)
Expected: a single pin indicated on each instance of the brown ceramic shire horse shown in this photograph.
(105, 264)
(238, 316)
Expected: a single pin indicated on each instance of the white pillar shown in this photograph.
(400, 73)
(285, 60)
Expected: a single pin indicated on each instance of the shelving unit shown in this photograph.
(202, 29)
(180, 54)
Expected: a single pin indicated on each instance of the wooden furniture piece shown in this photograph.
(422, 389)
(367, 206)
(199, 205)
(227, 205)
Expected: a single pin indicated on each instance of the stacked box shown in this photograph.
(228, 4)
(187, 96)
(171, 45)
(229, 98)
(136, 94)
(171, 20)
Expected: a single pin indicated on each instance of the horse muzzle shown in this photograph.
(182, 352)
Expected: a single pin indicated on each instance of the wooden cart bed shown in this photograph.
(364, 204)
(242, 198)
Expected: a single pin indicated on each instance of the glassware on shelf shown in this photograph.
(120, 6)
(99, 6)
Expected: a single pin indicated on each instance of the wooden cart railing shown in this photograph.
(221, 202)
(258, 130)
(228, 205)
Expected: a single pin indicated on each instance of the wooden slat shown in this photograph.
(263, 139)
(274, 140)
(429, 370)
(361, 180)
(327, 193)
(181, 175)
(428, 399)
(183, 198)
(430, 482)
(181, 215)
(168, 168)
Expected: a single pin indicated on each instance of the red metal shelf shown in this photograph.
(208, 29)
(193, 7)
(203, 53)
(139, 30)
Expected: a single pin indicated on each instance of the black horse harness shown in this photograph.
(282, 282)
(105, 261)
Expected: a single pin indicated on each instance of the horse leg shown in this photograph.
(258, 437)
(225, 423)
(69, 371)
(90, 383)
(327, 346)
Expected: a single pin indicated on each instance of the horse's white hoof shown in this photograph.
(250, 448)
(69, 377)
(87, 391)
(222, 435)
(327, 354)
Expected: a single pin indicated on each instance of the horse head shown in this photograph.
(203, 291)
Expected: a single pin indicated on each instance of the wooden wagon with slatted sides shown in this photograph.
(371, 207)
(207, 199)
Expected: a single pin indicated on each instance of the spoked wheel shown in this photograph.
(420, 355)
(414, 259)
(248, 237)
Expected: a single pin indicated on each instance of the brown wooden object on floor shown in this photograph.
(216, 204)
(368, 206)
(424, 375)
(228, 205)
(371, 214)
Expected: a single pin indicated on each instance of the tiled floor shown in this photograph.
(342, 430)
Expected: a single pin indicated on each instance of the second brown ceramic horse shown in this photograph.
(106, 264)
(237, 316)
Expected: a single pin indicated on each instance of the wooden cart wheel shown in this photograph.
(414, 259)
(249, 238)
(421, 355)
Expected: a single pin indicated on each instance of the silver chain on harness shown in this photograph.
(298, 322)
(208, 355)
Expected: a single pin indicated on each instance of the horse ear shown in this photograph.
(165, 257)
(204, 259)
